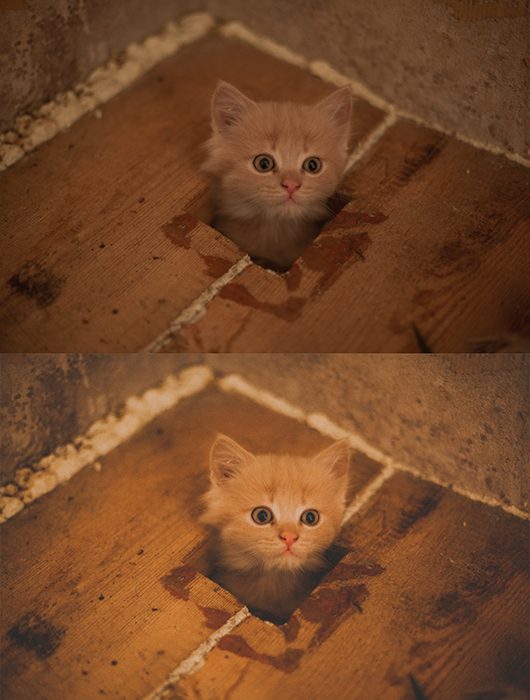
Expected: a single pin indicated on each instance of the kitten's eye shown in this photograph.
(312, 165)
(263, 163)
(310, 517)
(262, 515)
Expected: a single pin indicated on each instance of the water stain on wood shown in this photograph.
(177, 581)
(290, 310)
(326, 607)
(329, 255)
(36, 635)
(35, 283)
(216, 267)
(288, 662)
(214, 618)
(346, 572)
(178, 230)
(414, 511)
(291, 628)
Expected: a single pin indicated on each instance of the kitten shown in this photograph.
(274, 167)
(273, 518)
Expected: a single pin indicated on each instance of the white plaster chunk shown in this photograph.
(9, 507)
(39, 484)
(9, 154)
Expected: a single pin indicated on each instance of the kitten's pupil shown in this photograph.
(263, 163)
(312, 165)
(262, 516)
(310, 517)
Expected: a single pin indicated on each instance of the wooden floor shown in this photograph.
(102, 248)
(102, 596)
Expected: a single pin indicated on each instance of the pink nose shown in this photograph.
(288, 538)
(291, 185)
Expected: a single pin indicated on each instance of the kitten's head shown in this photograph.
(281, 161)
(275, 512)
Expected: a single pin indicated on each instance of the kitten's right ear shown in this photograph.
(228, 105)
(227, 458)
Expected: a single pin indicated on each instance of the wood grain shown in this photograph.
(100, 590)
(435, 588)
(434, 239)
(93, 259)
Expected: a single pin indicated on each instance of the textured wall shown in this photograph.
(48, 400)
(461, 419)
(47, 46)
(463, 65)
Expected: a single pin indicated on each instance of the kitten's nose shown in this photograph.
(291, 185)
(288, 537)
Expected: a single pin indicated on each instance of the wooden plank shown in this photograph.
(435, 587)
(98, 596)
(99, 251)
(435, 237)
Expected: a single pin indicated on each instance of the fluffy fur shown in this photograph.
(256, 209)
(272, 567)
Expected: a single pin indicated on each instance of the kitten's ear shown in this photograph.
(336, 459)
(228, 105)
(227, 458)
(338, 106)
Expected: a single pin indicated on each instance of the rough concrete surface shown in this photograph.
(461, 420)
(460, 65)
(49, 400)
(466, 70)
(48, 47)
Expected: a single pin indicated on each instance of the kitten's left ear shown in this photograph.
(228, 105)
(336, 459)
(227, 458)
(338, 106)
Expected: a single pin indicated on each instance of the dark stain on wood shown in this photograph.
(330, 254)
(293, 277)
(36, 635)
(216, 267)
(418, 157)
(417, 510)
(177, 581)
(214, 618)
(35, 283)
(178, 230)
(290, 629)
(288, 662)
(290, 310)
(345, 572)
(327, 607)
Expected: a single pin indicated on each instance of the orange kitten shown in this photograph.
(274, 167)
(273, 518)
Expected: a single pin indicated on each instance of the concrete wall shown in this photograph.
(47, 46)
(463, 65)
(48, 400)
(463, 420)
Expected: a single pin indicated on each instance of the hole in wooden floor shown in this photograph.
(199, 560)
(199, 208)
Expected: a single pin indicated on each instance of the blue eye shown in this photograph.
(312, 165)
(310, 517)
(262, 515)
(263, 163)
